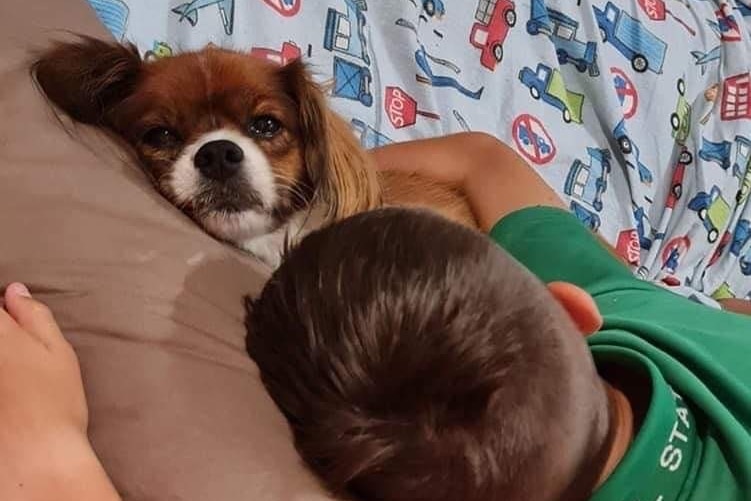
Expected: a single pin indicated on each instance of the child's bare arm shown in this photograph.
(494, 179)
(740, 306)
(44, 450)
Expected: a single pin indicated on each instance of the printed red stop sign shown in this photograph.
(655, 9)
(628, 246)
(401, 108)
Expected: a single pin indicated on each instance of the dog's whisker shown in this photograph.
(293, 188)
(294, 191)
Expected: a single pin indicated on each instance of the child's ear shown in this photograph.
(579, 305)
(88, 77)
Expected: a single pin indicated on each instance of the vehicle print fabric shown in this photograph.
(636, 111)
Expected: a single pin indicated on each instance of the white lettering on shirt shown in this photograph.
(671, 457)
(683, 415)
(672, 454)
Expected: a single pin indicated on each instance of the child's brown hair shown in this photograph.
(416, 360)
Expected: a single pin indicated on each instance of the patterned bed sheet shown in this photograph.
(636, 112)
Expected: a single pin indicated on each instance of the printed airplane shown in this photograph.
(190, 10)
(704, 58)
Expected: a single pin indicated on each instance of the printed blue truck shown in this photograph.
(434, 8)
(640, 217)
(562, 32)
(631, 38)
(631, 150)
(740, 247)
(585, 216)
(352, 81)
(369, 137)
(113, 14)
(345, 33)
(539, 20)
(713, 210)
(720, 153)
(587, 182)
(547, 84)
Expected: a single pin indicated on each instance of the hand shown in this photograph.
(44, 450)
(40, 380)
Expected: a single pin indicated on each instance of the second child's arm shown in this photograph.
(495, 180)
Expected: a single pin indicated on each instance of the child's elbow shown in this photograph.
(482, 143)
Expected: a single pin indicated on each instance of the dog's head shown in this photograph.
(240, 144)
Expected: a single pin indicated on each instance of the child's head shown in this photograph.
(416, 360)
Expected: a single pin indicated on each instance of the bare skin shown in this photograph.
(43, 444)
(742, 306)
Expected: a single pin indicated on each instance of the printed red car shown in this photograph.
(493, 19)
(676, 185)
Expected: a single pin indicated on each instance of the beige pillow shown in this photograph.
(152, 305)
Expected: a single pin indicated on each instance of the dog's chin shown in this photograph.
(237, 226)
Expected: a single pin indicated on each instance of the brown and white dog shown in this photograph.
(245, 147)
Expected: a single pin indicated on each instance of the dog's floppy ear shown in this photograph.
(340, 170)
(88, 77)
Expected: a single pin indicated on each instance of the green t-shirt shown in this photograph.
(695, 441)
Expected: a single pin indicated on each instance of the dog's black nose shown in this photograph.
(219, 160)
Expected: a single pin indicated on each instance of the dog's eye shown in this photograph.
(161, 137)
(264, 126)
